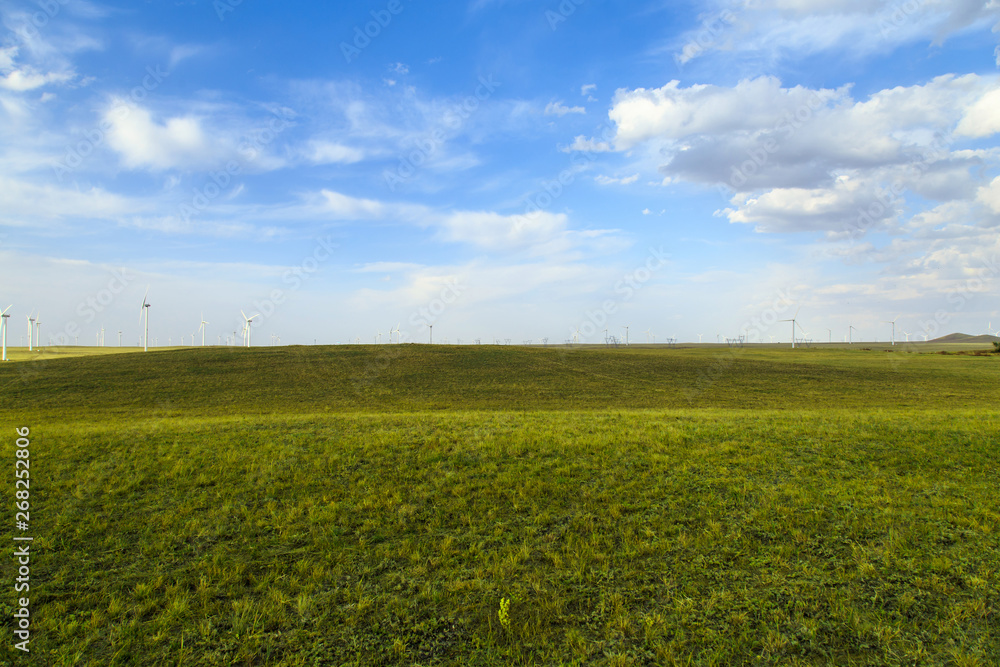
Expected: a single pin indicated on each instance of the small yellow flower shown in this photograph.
(504, 613)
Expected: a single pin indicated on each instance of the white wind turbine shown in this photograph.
(907, 334)
(850, 334)
(576, 336)
(893, 323)
(31, 325)
(793, 325)
(626, 333)
(202, 328)
(144, 309)
(249, 321)
(3, 329)
(990, 330)
(38, 325)
(650, 336)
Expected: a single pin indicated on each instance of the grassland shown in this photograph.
(363, 505)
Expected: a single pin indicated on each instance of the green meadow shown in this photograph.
(493, 505)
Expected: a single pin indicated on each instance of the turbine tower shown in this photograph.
(144, 309)
(893, 323)
(850, 334)
(38, 325)
(3, 329)
(793, 325)
(31, 325)
(249, 320)
(202, 327)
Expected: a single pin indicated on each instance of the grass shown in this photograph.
(304, 506)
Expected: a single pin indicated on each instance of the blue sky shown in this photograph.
(501, 169)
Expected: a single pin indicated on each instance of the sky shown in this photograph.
(512, 170)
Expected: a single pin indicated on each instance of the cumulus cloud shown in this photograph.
(801, 158)
(990, 196)
(141, 141)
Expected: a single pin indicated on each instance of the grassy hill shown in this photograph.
(406, 378)
(431, 505)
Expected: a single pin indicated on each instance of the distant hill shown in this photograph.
(966, 338)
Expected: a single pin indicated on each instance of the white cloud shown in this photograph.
(583, 144)
(607, 180)
(177, 142)
(990, 195)
(503, 232)
(773, 30)
(25, 202)
(326, 152)
(560, 109)
(788, 150)
(982, 119)
(588, 88)
(851, 207)
(344, 207)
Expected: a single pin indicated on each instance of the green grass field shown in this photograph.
(378, 505)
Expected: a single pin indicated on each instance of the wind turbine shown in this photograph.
(699, 338)
(850, 334)
(907, 334)
(38, 325)
(202, 327)
(990, 330)
(431, 339)
(893, 323)
(576, 336)
(650, 336)
(396, 331)
(119, 339)
(144, 308)
(793, 325)
(626, 333)
(31, 325)
(3, 329)
(249, 320)
(831, 334)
